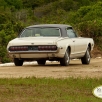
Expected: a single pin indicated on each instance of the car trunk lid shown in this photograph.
(36, 41)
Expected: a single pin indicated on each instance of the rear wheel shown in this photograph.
(66, 59)
(18, 62)
(41, 62)
(87, 57)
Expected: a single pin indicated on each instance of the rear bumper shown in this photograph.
(36, 55)
(59, 53)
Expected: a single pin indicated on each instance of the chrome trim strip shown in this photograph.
(29, 52)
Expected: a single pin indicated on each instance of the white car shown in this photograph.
(53, 42)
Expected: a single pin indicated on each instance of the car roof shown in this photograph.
(50, 25)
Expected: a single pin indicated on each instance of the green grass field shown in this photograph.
(48, 90)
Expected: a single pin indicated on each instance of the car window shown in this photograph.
(26, 33)
(37, 32)
(71, 33)
(50, 32)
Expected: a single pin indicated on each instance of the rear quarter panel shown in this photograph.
(63, 45)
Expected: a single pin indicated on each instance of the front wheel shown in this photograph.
(87, 57)
(66, 59)
(18, 62)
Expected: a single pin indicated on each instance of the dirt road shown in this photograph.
(75, 69)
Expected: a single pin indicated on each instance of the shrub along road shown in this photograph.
(53, 69)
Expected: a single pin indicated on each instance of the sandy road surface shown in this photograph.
(75, 69)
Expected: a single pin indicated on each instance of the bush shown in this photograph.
(91, 29)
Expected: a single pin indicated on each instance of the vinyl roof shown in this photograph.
(50, 25)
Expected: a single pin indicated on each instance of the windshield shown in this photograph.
(41, 32)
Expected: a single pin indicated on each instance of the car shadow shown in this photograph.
(54, 65)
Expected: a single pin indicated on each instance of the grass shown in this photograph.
(48, 90)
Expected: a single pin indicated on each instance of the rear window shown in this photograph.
(38, 32)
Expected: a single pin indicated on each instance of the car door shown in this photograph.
(79, 44)
(71, 41)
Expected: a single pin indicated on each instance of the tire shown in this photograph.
(41, 62)
(18, 62)
(66, 59)
(87, 57)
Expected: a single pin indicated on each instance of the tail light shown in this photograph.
(18, 48)
(33, 48)
(47, 47)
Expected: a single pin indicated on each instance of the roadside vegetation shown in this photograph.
(84, 15)
(48, 90)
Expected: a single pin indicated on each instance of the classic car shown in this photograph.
(53, 42)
